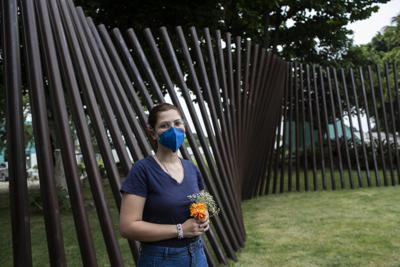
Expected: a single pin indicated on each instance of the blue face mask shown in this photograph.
(173, 138)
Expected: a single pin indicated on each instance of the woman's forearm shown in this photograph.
(148, 232)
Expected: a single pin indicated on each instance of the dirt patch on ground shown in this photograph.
(31, 184)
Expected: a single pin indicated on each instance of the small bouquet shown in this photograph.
(202, 202)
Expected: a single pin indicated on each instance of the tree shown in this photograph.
(384, 46)
(307, 31)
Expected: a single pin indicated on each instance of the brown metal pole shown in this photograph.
(396, 91)
(312, 139)
(297, 128)
(59, 110)
(78, 115)
(393, 119)
(326, 120)
(371, 138)
(349, 114)
(291, 105)
(320, 140)
(20, 221)
(333, 110)
(304, 119)
(378, 126)
(343, 126)
(385, 123)
(54, 235)
(360, 127)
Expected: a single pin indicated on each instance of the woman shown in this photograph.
(155, 207)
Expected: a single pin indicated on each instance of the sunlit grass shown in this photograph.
(332, 228)
(339, 228)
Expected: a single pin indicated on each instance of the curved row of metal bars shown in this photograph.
(318, 105)
(99, 84)
(255, 122)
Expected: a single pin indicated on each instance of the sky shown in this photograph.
(365, 30)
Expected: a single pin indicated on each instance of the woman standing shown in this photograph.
(155, 207)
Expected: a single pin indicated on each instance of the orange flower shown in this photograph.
(198, 210)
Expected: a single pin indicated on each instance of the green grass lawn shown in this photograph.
(40, 255)
(341, 228)
(335, 228)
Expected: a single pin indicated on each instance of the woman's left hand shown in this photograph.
(205, 224)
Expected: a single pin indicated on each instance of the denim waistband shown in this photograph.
(165, 251)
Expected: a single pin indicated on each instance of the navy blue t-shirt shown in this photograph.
(166, 199)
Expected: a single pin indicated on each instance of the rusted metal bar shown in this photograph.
(304, 120)
(54, 235)
(220, 131)
(349, 114)
(312, 140)
(59, 110)
(191, 140)
(121, 95)
(360, 127)
(96, 121)
(371, 138)
(333, 110)
(217, 83)
(320, 139)
(297, 130)
(392, 117)
(396, 92)
(277, 149)
(157, 56)
(284, 121)
(326, 120)
(378, 126)
(385, 123)
(76, 107)
(196, 87)
(20, 220)
(276, 69)
(291, 103)
(343, 126)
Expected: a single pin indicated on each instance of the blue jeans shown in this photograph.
(191, 255)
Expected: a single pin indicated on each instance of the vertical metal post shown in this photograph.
(328, 137)
(312, 139)
(349, 114)
(297, 88)
(393, 119)
(344, 133)
(20, 221)
(371, 138)
(304, 120)
(385, 123)
(320, 139)
(360, 127)
(378, 125)
(333, 110)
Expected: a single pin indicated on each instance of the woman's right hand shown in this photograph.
(191, 228)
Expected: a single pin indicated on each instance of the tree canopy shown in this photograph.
(308, 31)
(385, 46)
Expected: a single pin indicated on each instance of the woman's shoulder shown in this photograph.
(141, 163)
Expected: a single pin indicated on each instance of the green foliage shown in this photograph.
(100, 164)
(36, 204)
(308, 31)
(385, 46)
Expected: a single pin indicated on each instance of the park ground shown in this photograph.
(325, 228)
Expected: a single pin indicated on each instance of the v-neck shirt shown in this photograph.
(166, 199)
(157, 162)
